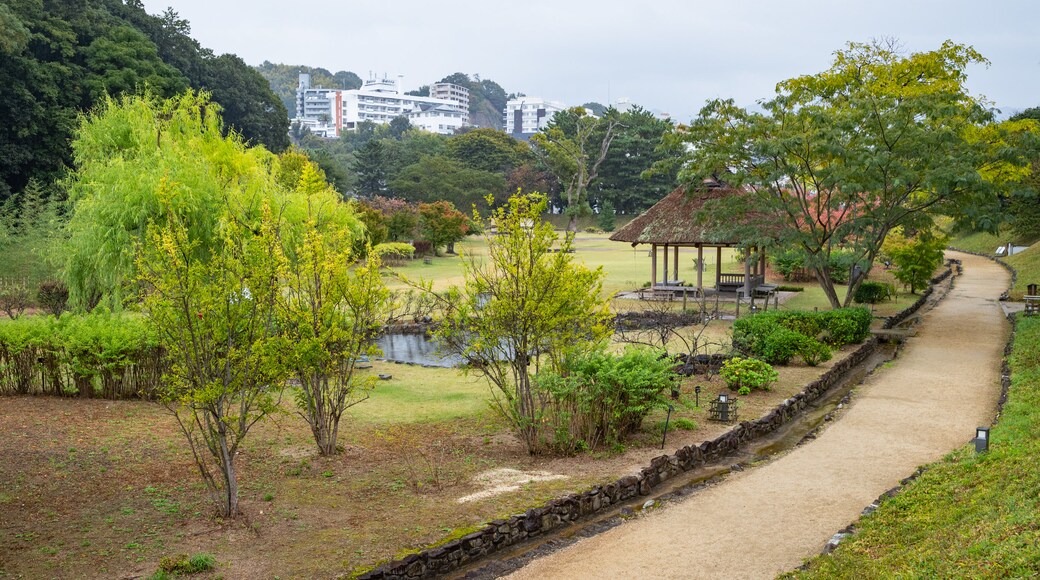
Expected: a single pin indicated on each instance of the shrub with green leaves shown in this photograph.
(779, 336)
(600, 397)
(783, 344)
(746, 374)
(871, 292)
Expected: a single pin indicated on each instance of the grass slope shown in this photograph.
(1028, 265)
(969, 515)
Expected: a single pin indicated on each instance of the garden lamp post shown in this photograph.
(723, 407)
(697, 396)
(981, 439)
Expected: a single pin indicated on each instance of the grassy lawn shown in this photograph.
(969, 515)
(626, 268)
(1028, 265)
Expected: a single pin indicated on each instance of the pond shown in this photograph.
(414, 349)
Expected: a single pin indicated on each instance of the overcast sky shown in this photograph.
(668, 55)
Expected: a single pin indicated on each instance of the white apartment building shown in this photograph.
(525, 116)
(333, 111)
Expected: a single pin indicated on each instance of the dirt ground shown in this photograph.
(95, 488)
(766, 520)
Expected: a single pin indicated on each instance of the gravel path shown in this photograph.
(767, 520)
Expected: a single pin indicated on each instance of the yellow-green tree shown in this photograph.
(214, 314)
(523, 308)
(330, 311)
(915, 257)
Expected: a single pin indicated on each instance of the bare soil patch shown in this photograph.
(96, 488)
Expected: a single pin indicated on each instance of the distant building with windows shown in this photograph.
(329, 112)
(525, 116)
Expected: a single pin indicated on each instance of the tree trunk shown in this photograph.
(572, 223)
(451, 249)
(229, 505)
(824, 278)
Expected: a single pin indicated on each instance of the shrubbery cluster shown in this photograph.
(99, 354)
(777, 337)
(746, 374)
(601, 397)
(793, 266)
(871, 292)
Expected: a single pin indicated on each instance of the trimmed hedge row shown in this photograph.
(778, 336)
(113, 356)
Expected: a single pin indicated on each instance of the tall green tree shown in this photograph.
(436, 177)
(330, 311)
(523, 308)
(488, 150)
(249, 107)
(573, 146)
(838, 159)
(624, 177)
(442, 225)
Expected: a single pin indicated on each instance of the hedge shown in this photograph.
(113, 356)
(778, 336)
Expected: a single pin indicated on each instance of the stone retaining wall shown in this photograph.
(499, 534)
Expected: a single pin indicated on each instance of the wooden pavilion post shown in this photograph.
(718, 266)
(747, 273)
(653, 267)
(665, 280)
(700, 268)
(675, 261)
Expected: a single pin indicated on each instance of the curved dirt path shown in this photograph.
(767, 520)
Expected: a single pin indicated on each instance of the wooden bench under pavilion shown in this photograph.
(671, 225)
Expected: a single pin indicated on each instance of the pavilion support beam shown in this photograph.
(718, 266)
(747, 273)
(700, 268)
(675, 262)
(666, 265)
(653, 267)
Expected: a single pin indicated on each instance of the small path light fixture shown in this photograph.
(668, 417)
(697, 396)
(981, 439)
(723, 409)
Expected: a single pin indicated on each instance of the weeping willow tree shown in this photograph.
(130, 149)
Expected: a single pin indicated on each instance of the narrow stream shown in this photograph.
(784, 439)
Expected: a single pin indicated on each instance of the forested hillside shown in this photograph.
(59, 59)
(284, 78)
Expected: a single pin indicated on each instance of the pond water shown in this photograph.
(415, 349)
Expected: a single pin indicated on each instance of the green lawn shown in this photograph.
(419, 394)
(1027, 264)
(626, 268)
(969, 515)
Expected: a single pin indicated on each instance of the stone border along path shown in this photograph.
(767, 520)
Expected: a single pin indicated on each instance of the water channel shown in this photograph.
(787, 437)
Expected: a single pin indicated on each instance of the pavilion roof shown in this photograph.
(674, 220)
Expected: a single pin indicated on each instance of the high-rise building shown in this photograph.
(328, 112)
(525, 116)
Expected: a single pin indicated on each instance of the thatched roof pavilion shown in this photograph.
(672, 224)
